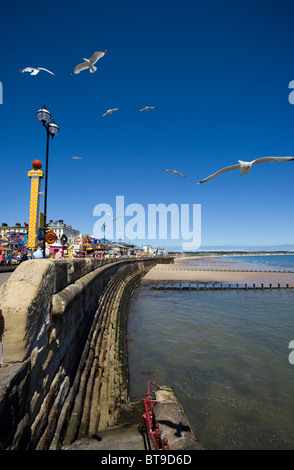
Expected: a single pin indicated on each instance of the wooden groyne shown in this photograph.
(215, 286)
(229, 269)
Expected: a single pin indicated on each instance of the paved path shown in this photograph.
(4, 277)
(117, 438)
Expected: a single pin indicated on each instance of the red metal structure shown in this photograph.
(149, 426)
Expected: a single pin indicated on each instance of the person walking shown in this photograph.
(24, 254)
(38, 253)
(59, 254)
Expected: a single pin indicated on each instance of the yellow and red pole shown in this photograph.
(36, 175)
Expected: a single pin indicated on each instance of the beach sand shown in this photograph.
(181, 271)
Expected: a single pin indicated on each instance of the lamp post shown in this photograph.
(51, 129)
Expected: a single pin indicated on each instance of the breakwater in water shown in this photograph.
(65, 354)
(214, 286)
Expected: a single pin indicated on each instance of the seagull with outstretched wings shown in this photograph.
(245, 167)
(89, 63)
(35, 70)
(109, 111)
(174, 172)
(146, 108)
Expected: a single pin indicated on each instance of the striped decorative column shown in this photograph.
(36, 175)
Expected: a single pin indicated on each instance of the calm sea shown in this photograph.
(225, 354)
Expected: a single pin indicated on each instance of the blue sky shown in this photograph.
(218, 74)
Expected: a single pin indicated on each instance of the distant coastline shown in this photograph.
(229, 253)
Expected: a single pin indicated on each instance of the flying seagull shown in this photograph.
(245, 167)
(174, 172)
(35, 70)
(77, 158)
(109, 111)
(89, 63)
(115, 218)
(146, 108)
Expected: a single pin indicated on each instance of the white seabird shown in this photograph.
(109, 111)
(77, 158)
(35, 70)
(89, 63)
(146, 108)
(245, 167)
(174, 172)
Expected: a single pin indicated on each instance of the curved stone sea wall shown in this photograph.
(65, 370)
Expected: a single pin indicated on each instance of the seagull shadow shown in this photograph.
(178, 427)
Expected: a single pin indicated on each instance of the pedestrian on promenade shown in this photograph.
(38, 253)
(2, 323)
(58, 254)
(24, 256)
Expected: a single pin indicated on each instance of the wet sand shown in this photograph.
(224, 272)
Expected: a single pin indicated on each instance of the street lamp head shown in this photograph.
(43, 114)
(53, 128)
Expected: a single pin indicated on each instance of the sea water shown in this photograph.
(225, 354)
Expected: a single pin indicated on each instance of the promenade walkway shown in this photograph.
(5, 276)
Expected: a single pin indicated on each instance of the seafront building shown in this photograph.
(60, 229)
(153, 251)
(17, 228)
(125, 249)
